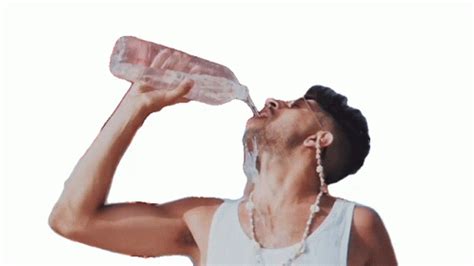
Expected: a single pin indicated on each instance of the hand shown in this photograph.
(152, 100)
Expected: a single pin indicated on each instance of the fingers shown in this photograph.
(196, 69)
(182, 64)
(170, 62)
(166, 59)
(160, 58)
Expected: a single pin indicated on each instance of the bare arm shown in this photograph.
(374, 237)
(137, 229)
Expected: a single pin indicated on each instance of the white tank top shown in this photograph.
(327, 245)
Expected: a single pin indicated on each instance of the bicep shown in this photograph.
(141, 229)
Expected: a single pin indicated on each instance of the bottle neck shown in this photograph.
(241, 92)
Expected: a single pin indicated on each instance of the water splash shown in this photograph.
(250, 159)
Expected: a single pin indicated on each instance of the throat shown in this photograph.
(284, 227)
(279, 230)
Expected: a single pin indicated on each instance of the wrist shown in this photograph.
(131, 112)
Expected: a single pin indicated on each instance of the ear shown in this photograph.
(325, 139)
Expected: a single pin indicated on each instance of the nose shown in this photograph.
(271, 103)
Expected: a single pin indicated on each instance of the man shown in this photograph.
(286, 215)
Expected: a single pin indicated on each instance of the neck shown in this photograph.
(285, 180)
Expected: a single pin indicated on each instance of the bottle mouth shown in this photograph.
(252, 107)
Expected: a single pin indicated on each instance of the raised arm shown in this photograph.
(136, 228)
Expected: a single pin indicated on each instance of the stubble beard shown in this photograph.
(268, 140)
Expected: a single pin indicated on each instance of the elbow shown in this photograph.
(58, 225)
(63, 226)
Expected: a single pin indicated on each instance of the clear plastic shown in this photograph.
(162, 67)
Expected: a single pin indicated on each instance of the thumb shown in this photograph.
(182, 89)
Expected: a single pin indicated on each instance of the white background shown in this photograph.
(407, 66)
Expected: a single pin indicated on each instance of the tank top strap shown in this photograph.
(224, 233)
(346, 215)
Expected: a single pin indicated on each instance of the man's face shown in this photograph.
(283, 124)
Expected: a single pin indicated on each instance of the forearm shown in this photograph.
(86, 189)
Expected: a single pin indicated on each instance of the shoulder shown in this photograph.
(370, 230)
(363, 217)
(203, 210)
(366, 218)
(189, 210)
(198, 220)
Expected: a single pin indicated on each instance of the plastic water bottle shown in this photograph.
(162, 67)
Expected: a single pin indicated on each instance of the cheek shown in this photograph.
(297, 122)
(285, 126)
(290, 124)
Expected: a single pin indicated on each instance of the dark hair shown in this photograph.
(353, 126)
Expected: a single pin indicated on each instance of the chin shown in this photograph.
(254, 127)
